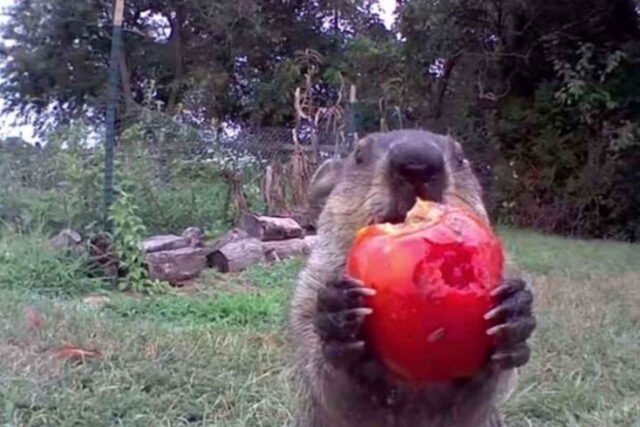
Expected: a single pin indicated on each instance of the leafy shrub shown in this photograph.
(129, 234)
(568, 161)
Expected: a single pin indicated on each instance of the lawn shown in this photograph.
(217, 357)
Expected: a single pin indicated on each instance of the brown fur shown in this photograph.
(348, 197)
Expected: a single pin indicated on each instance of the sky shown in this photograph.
(387, 7)
(8, 127)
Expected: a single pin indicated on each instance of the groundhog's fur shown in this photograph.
(349, 194)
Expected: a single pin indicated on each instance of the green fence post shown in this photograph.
(352, 119)
(112, 102)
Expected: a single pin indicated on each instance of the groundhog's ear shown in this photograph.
(322, 183)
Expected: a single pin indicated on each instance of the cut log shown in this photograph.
(195, 235)
(164, 243)
(237, 256)
(306, 221)
(177, 265)
(279, 250)
(268, 228)
(232, 236)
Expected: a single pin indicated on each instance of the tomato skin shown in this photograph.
(433, 276)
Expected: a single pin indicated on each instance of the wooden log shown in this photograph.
(166, 242)
(233, 235)
(267, 228)
(304, 218)
(237, 256)
(177, 265)
(278, 250)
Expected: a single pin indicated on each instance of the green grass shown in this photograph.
(217, 356)
(255, 299)
(543, 254)
(26, 262)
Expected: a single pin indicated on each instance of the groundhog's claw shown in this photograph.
(514, 332)
(515, 357)
(508, 287)
(341, 312)
(515, 325)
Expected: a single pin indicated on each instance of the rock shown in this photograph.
(96, 300)
(164, 243)
(68, 240)
(177, 265)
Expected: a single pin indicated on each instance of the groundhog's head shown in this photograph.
(381, 179)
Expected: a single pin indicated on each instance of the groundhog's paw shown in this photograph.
(516, 323)
(340, 314)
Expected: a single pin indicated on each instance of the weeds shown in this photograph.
(255, 299)
(28, 263)
(130, 232)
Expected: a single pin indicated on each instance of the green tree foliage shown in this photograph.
(210, 60)
(543, 93)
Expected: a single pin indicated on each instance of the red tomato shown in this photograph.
(433, 276)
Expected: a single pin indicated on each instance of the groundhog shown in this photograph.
(342, 384)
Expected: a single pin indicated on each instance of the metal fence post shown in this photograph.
(112, 102)
(352, 118)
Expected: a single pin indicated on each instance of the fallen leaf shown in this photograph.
(34, 320)
(75, 353)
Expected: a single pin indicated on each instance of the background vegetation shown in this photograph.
(544, 96)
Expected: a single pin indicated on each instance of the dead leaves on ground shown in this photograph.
(35, 321)
(75, 354)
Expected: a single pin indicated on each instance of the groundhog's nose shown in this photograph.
(417, 161)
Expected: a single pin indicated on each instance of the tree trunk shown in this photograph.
(273, 189)
(237, 200)
(125, 77)
(449, 65)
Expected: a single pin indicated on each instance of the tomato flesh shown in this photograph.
(433, 276)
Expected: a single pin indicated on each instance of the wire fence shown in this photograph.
(183, 173)
(183, 170)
